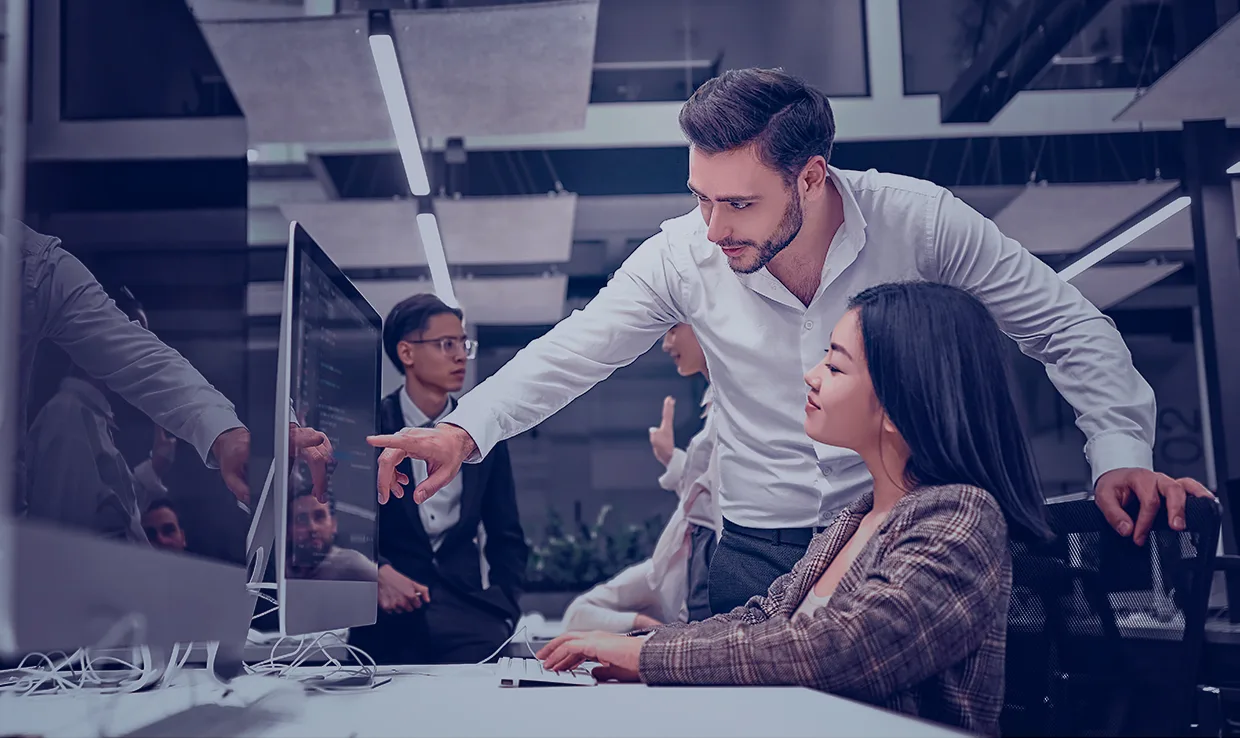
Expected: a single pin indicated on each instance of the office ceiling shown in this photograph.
(1202, 86)
(510, 232)
(475, 71)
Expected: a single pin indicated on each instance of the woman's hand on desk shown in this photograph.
(619, 655)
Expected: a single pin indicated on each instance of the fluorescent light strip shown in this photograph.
(1234, 168)
(393, 84)
(436, 259)
(1115, 244)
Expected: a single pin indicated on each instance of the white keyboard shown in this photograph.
(530, 673)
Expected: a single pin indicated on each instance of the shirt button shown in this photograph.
(826, 472)
(809, 325)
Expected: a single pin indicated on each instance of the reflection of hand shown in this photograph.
(1117, 486)
(231, 450)
(444, 448)
(621, 653)
(314, 448)
(399, 593)
(163, 452)
(662, 438)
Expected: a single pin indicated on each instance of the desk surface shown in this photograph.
(467, 701)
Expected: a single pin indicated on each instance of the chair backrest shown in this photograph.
(1104, 636)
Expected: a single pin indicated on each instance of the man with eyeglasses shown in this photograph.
(432, 604)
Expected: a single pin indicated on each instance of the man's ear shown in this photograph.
(814, 177)
(404, 350)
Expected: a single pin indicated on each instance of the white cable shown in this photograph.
(61, 674)
(528, 646)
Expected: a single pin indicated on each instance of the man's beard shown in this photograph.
(787, 230)
(309, 555)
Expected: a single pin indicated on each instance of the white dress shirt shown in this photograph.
(689, 467)
(443, 509)
(759, 340)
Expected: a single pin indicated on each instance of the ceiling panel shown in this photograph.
(1173, 234)
(364, 233)
(989, 200)
(503, 70)
(303, 79)
(628, 216)
(1196, 88)
(1109, 285)
(1063, 219)
(488, 301)
(499, 70)
(536, 229)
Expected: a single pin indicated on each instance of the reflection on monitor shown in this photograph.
(329, 364)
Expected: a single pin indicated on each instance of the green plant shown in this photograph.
(577, 557)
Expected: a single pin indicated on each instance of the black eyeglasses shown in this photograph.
(450, 345)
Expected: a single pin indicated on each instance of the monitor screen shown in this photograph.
(334, 388)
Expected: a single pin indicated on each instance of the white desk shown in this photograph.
(466, 701)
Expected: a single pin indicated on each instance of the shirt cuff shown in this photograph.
(595, 617)
(209, 426)
(482, 429)
(670, 480)
(1109, 451)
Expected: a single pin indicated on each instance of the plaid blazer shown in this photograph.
(917, 624)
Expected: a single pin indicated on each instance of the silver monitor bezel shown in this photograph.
(310, 606)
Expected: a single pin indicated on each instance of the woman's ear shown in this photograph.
(888, 426)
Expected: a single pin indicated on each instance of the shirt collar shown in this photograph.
(842, 254)
(89, 394)
(413, 415)
(854, 221)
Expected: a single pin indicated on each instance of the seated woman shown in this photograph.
(902, 602)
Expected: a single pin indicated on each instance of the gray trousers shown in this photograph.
(743, 567)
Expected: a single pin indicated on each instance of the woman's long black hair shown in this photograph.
(936, 358)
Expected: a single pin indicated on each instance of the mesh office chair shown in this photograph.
(1104, 637)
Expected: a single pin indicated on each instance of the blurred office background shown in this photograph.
(171, 141)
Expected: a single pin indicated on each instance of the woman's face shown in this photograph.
(682, 345)
(842, 409)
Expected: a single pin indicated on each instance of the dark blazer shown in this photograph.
(488, 496)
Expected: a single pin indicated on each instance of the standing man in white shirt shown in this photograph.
(762, 271)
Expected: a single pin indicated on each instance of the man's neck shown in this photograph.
(799, 266)
(430, 400)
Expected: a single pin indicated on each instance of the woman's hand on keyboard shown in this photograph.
(619, 654)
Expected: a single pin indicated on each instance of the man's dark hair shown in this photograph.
(162, 503)
(411, 316)
(305, 489)
(788, 120)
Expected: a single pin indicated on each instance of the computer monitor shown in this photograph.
(326, 508)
